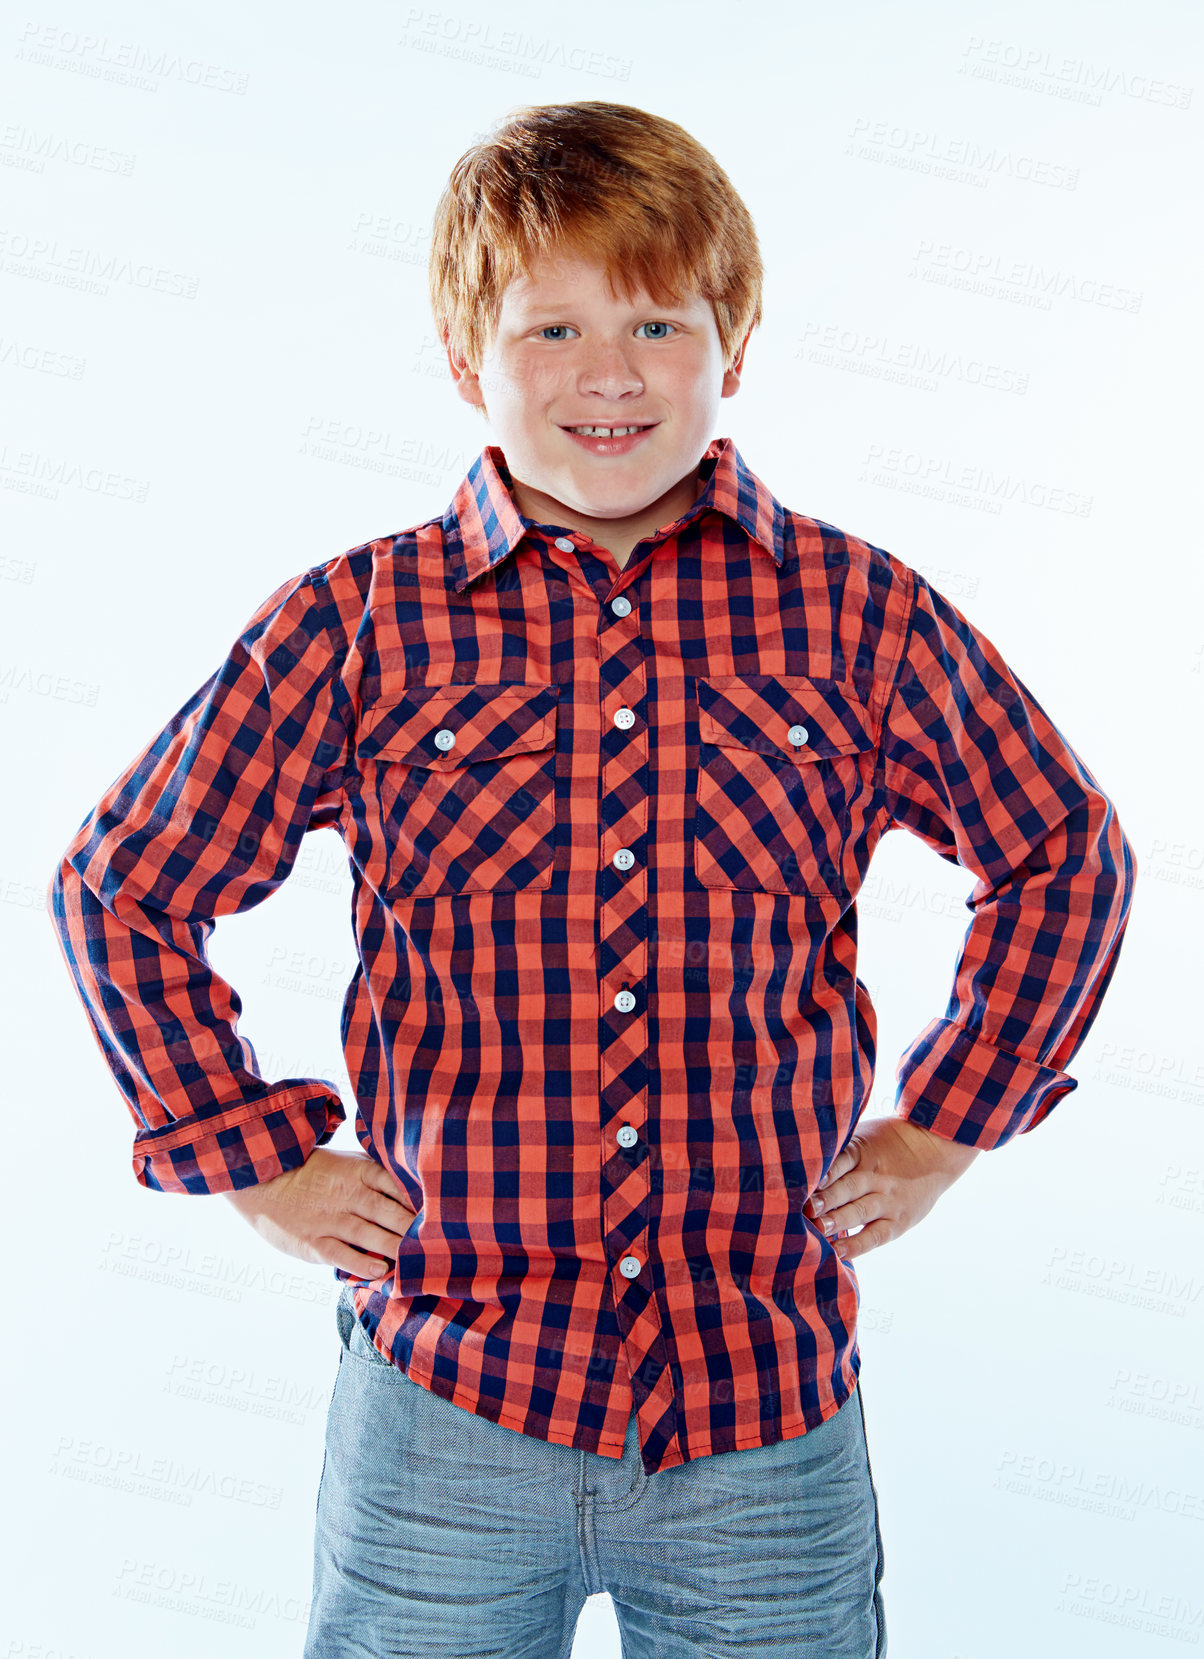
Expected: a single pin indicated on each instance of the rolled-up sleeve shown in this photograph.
(207, 821)
(974, 767)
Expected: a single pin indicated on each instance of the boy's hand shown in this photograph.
(341, 1208)
(888, 1177)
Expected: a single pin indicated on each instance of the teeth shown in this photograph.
(605, 431)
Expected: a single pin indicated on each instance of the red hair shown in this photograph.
(608, 182)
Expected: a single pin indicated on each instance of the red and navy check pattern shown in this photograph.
(606, 1030)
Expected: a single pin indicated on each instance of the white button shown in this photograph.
(623, 859)
(797, 735)
(624, 718)
(629, 1267)
(621, 606)
(625, 1002)
(564, 544)
(444, 739)
(627, 1136)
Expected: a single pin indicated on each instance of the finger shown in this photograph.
(359, 1262)
(827, 1199)
(849, 1155)
(860, 1204)
(395, 1215)
(367, 1236)
(377, 1178)
(840, 1163)
(845, 1160)
(869, 1238)
(832, 1223)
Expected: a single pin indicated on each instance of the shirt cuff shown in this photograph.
(241, 1146)
(964, 1089)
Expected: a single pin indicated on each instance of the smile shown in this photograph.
(604, 431)
(608, 440)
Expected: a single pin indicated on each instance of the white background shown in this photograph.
(217, 368)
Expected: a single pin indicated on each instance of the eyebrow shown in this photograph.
(533, 308)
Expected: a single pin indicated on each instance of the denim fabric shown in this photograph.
(441, 1533)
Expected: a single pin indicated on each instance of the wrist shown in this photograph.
(956, 1155)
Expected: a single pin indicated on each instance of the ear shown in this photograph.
(468, 384)
(731, 378)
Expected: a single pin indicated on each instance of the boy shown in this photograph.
(610, 744)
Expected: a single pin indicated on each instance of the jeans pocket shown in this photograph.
(354, 1337)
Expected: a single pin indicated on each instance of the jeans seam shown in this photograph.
(879, 1567)
(585, 1521)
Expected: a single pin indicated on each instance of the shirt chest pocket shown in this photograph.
(460, 783)
(785, 770)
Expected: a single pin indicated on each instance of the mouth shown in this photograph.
(600, 439)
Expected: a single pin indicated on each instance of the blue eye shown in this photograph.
(551, 327)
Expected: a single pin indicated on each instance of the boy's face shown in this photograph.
(566, 353)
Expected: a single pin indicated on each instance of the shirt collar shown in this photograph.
(483, 525)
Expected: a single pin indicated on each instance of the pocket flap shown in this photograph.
(758, 711)
(485, 723)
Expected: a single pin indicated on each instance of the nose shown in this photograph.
(606, 372)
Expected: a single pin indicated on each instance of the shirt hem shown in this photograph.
(792, 1429)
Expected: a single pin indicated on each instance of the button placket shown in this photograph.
(623, 961)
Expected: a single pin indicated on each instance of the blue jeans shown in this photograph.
(441, 1533)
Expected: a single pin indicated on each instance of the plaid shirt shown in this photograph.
(605, 832)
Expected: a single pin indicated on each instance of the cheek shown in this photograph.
(528, 380)
(692, 383)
